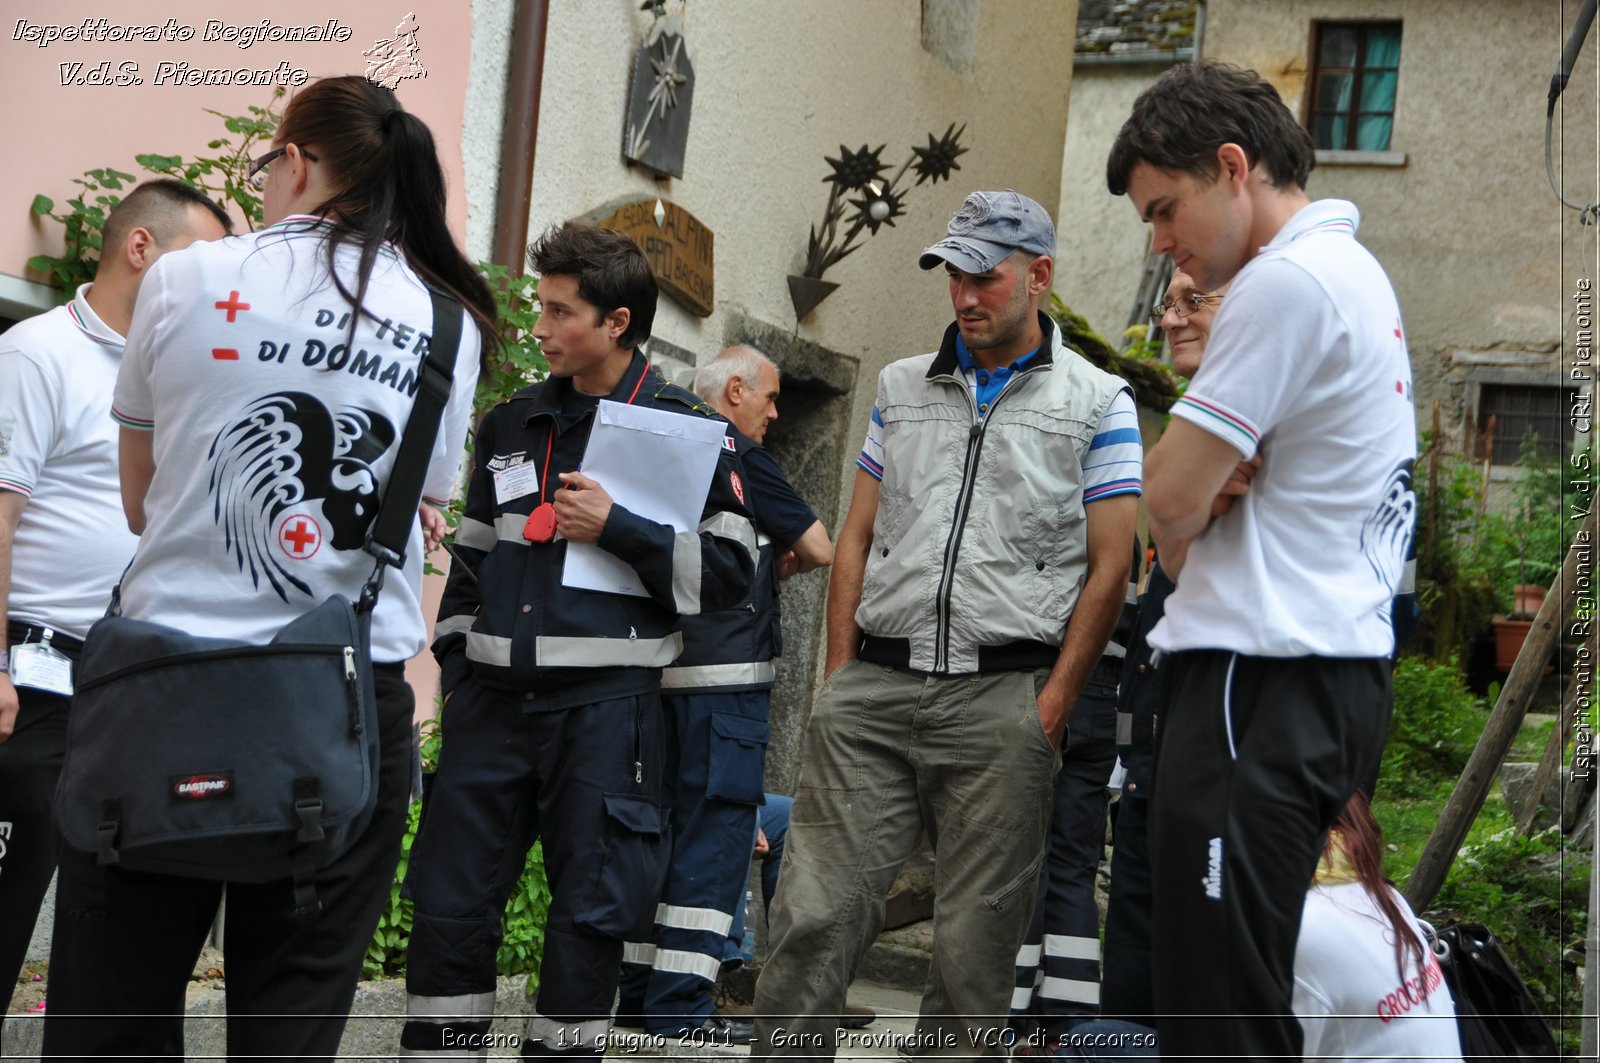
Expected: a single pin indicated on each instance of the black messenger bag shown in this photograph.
(221, 759)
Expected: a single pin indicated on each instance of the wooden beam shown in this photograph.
(1550, 762)
(1501, 729)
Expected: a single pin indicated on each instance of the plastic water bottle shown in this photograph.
(747, 944)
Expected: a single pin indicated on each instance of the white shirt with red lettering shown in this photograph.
(275, 435)
(1350, 998)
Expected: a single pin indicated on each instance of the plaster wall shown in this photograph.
(484, 117)
(1100, 241)
(56, 131)
(1483, 258)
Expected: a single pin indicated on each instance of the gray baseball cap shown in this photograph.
(987, 228)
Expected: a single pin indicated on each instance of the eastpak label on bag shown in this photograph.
(206, 787)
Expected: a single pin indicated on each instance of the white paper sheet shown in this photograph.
(654, 463)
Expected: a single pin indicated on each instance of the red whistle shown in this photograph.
(541, 524)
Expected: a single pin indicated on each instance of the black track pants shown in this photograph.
(1253, 766)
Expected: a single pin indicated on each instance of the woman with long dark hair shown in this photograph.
(1366, 983)
(264, 389)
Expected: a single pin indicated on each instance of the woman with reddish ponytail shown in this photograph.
(1366, 983)
(265, 386)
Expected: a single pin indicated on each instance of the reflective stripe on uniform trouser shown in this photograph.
(715, 752)
(454, 1027)
(1058, 966)
(549, 1038)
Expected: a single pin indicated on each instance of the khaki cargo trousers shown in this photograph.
(889, 755)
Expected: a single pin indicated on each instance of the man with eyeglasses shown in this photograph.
(63, 538)
(1280, 628)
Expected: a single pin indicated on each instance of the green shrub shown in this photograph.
(523, 943)
(1469, 556)
(1435, 725)
(1542, 532)
(1462, 552)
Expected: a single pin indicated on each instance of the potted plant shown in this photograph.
(1541, 544)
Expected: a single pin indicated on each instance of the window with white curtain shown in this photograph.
(1354, 76)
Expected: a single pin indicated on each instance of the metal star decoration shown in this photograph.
(660, 94)
(854, 170)
(934, 162)
(878, 205)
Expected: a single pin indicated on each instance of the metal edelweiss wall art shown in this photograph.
(859, 198)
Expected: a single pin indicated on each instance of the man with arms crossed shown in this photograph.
(1279, 629)
(978, 575)
(63, 541)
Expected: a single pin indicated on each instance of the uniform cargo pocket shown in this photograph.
(633, 865)
(738, 757)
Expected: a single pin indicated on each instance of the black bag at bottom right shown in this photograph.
(1496, 1013)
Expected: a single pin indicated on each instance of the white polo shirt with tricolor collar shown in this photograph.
(58, 446)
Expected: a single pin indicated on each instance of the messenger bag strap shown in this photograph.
(397, 514)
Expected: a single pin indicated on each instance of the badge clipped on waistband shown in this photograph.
(541, 524)
(41, 666)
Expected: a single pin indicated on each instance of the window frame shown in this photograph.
(1485, 382)
(1352, 116)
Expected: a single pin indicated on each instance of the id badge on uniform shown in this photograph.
(42, 667)
(511, 484)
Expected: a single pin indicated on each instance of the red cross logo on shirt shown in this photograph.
(232, 305)
(299, 536)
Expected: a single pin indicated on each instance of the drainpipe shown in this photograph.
(1199, 30)
(519, 136)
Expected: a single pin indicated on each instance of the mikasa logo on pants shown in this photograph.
(1213, 880)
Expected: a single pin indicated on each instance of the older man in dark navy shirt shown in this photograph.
(716, 698)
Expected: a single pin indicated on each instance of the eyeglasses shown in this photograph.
(1185, 305)
(258, 169)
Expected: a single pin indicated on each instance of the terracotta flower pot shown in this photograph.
(1527, 599)
(1509, 635)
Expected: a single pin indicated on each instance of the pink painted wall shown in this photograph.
(55, 132)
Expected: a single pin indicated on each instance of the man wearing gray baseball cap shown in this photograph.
(976, 580)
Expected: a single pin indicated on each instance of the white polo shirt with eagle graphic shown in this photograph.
(1308, 366)
(274, 435)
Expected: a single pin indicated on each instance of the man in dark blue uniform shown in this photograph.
(716, 700)
(1058, 977)
(552, 721)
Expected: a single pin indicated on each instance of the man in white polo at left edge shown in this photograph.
(63, 538)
